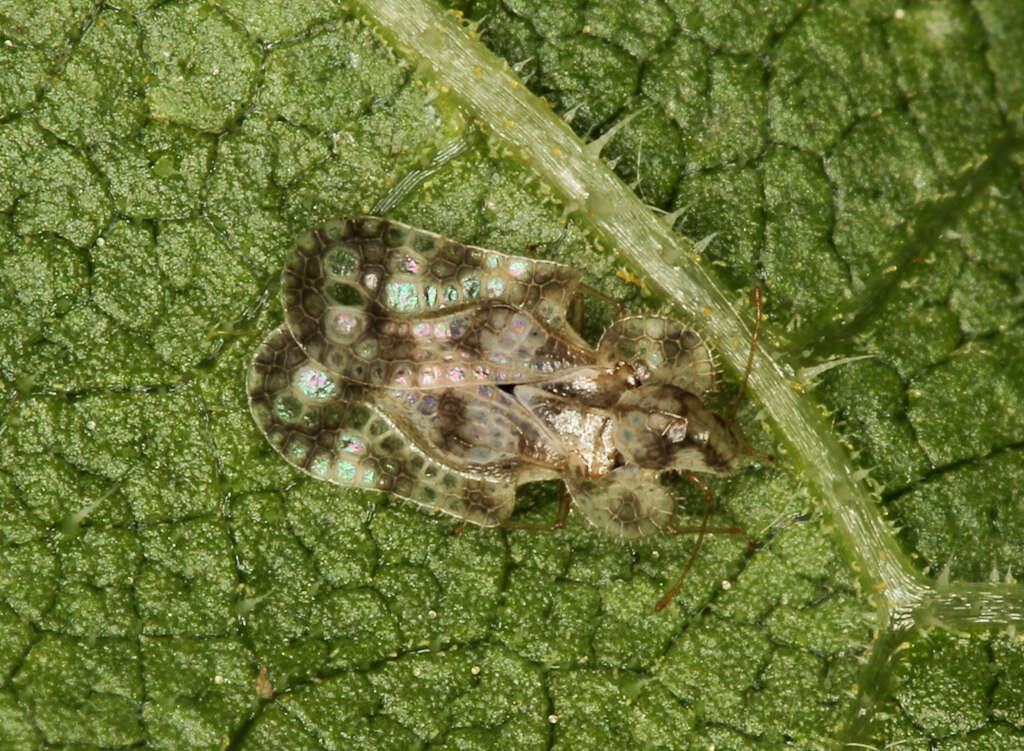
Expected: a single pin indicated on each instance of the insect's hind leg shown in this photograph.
(700, 531)
(564, 504)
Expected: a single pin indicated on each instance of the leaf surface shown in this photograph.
(167, 581)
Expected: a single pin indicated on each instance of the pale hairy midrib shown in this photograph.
(548, 146)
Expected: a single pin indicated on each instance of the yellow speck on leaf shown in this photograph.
(630, 278)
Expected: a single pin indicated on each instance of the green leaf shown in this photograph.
(167, 582)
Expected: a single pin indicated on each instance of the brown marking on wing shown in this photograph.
(451, 416)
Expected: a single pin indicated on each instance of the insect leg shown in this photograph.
(619, 312)
(558, 523)
(715, 531)
(576, 311)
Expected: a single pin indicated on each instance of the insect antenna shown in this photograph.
(731, 419)
(700, 531)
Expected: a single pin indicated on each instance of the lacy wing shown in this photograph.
(334, 431)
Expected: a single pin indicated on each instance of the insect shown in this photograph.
(448, 375)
